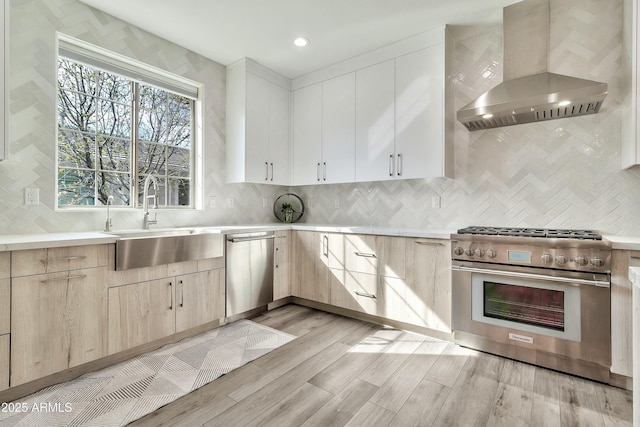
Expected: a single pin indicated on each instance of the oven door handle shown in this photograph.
(594, 282)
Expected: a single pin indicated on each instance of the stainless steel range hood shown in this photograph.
(529, 92)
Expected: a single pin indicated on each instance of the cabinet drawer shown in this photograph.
(5, 265)
(282, 237)
(360, 254)
(5, 297)
(52, 260)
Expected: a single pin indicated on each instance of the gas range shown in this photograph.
(562, 249)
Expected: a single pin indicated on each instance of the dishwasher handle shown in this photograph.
(249, 239)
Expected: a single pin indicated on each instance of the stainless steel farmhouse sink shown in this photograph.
(145, 248)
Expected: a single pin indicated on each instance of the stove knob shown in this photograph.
(547, 258)
(458, 250)
(581, 260)
(491, 253)
(480, 252)
(597, 262)
(561, 259)
(468, 251)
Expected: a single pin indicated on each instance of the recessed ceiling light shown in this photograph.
(301, 41)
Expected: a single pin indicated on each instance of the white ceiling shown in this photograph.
(227, 30)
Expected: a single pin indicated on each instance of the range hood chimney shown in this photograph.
(529, 92)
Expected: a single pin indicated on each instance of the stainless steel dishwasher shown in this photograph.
(249, 272)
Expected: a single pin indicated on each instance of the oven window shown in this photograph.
(522, 304)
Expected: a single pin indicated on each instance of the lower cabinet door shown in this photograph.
(4, 361)
(199, 298)
(281, 272)
(428, 291)
(141, 313)
(57, 322)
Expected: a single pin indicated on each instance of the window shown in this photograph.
(116, 125)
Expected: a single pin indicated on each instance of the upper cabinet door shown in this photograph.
(279, 152)
(375, 122)
(257, 130)
(338, 129)
(420, 113)
(307, 135)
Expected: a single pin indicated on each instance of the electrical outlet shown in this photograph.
(231, 202)
(212, 202)
(31, 196)
(336, 204)
(435, 202)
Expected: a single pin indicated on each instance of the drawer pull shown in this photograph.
(362, 294)
(170, 296)
(69, 258)
(429, 243)
(181, 294)
(365, 255)
(58, 279)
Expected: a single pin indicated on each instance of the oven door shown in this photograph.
(556, 319)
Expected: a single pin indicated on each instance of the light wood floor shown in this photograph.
(341, 371)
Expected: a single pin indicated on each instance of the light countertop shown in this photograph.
(623, 242)
(16, 242)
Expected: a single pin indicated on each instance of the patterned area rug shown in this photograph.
(125, 392)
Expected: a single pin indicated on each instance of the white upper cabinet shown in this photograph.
(631, 122)
(420, 114)
(375, 122)
(258, 123)
(338, 129)
(4, 76)
(307, 135)
(387, 114)
(324, 132)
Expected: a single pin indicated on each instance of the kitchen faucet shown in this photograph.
(145, 202)
(107, 223)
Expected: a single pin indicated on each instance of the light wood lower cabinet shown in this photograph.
(200, 298)
(5, 313)
(143, 312)
(621, 311)
(4, 361)
(311, 258)
(428, 284)
(58, 321)
(282, 265)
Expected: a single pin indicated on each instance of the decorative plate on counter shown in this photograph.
(288, 208)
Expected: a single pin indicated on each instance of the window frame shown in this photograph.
(76, 50)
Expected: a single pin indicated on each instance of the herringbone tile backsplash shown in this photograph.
(562, 173)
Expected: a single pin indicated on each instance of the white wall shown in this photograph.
(33, 133)
(559, 173)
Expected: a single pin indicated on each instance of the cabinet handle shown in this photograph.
(58, 279)
(271, 171)
(325, 245)
(181, 294)
(170, 296)
(390, 164)
(362, 294)
(69, 258)
(318, 172)
(266, 175)
(276, 255)
(428, 243)
(365, 255)
(324, 171)
(399, 164)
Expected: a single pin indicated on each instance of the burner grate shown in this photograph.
(533, 232)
